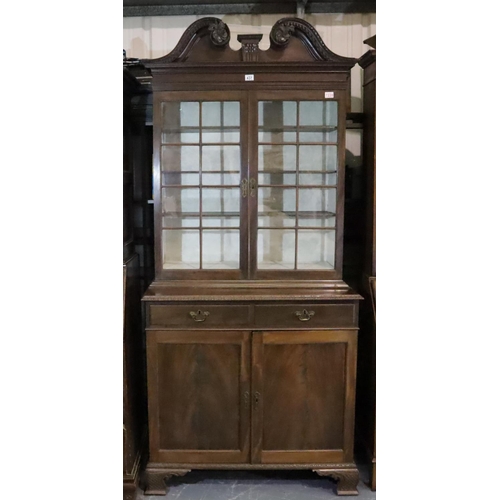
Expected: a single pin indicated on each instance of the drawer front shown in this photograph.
(306, 316)
(199, 315)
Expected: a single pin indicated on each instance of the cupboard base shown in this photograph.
(156, 475)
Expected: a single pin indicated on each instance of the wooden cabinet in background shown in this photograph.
(137, 261)
(251, 330)
(365, 423)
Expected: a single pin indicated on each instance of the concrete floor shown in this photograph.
(265, 485)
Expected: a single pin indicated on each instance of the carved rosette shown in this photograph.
(281, 32)
(219, 33)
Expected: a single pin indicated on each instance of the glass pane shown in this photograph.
(220, 201)
(221, 249)
(277, 121)
(180, 122)
(181, 249)
(220, 158)
(277, 158)
(317, 207)
(176, 200)
(220, 135)
(176, 178)
(272, 113)
(317, 200)
(314, 113)
(317, 157)
(323, 179)
(277, 179)
(180, 158)
(275, 249)
(181, 221)
(318, 135)
(187, 135)
(275, 205)
(220, 122)
(231, 113)
(178, 114)
(221, 179)
(317, 219)
(211, 114)
(316, 249)
(277, 136)
(216, 220)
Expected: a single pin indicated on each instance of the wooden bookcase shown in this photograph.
(251, 331)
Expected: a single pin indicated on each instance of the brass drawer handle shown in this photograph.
(199, 315)
(244, 188)
(304, 315)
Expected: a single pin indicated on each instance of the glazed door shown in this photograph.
(296, 164)
(198, 388)
(303, 387)
(201, 185)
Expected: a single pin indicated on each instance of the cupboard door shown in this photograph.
(297, 163)
(303, 396)
(201, 184)
(198, 385)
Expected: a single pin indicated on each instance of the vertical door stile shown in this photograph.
(245, 410)
(157, 120)
(350, 397)
(244, 178)
(252, 179)
(153, 409)
(339, 218)
(256, 403)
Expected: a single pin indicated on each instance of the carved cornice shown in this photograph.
(292, 26)
(217, 30)
(190, 52)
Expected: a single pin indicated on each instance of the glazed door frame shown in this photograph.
(157, 337)
(259, 378)
(201, 96)
(296, 95)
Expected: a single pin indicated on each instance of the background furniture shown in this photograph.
(137, 269)
(366, 390)
(251, 331)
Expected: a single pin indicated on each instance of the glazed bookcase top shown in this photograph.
(249, 150)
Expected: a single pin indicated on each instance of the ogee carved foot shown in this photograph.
(155, 480)
(347, 480)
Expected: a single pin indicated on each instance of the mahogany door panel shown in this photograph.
(303, 385)
(199, 384)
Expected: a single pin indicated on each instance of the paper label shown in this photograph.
(248, 78)
(329, 95)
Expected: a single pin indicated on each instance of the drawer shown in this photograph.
(306, 316)
(199, 315)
